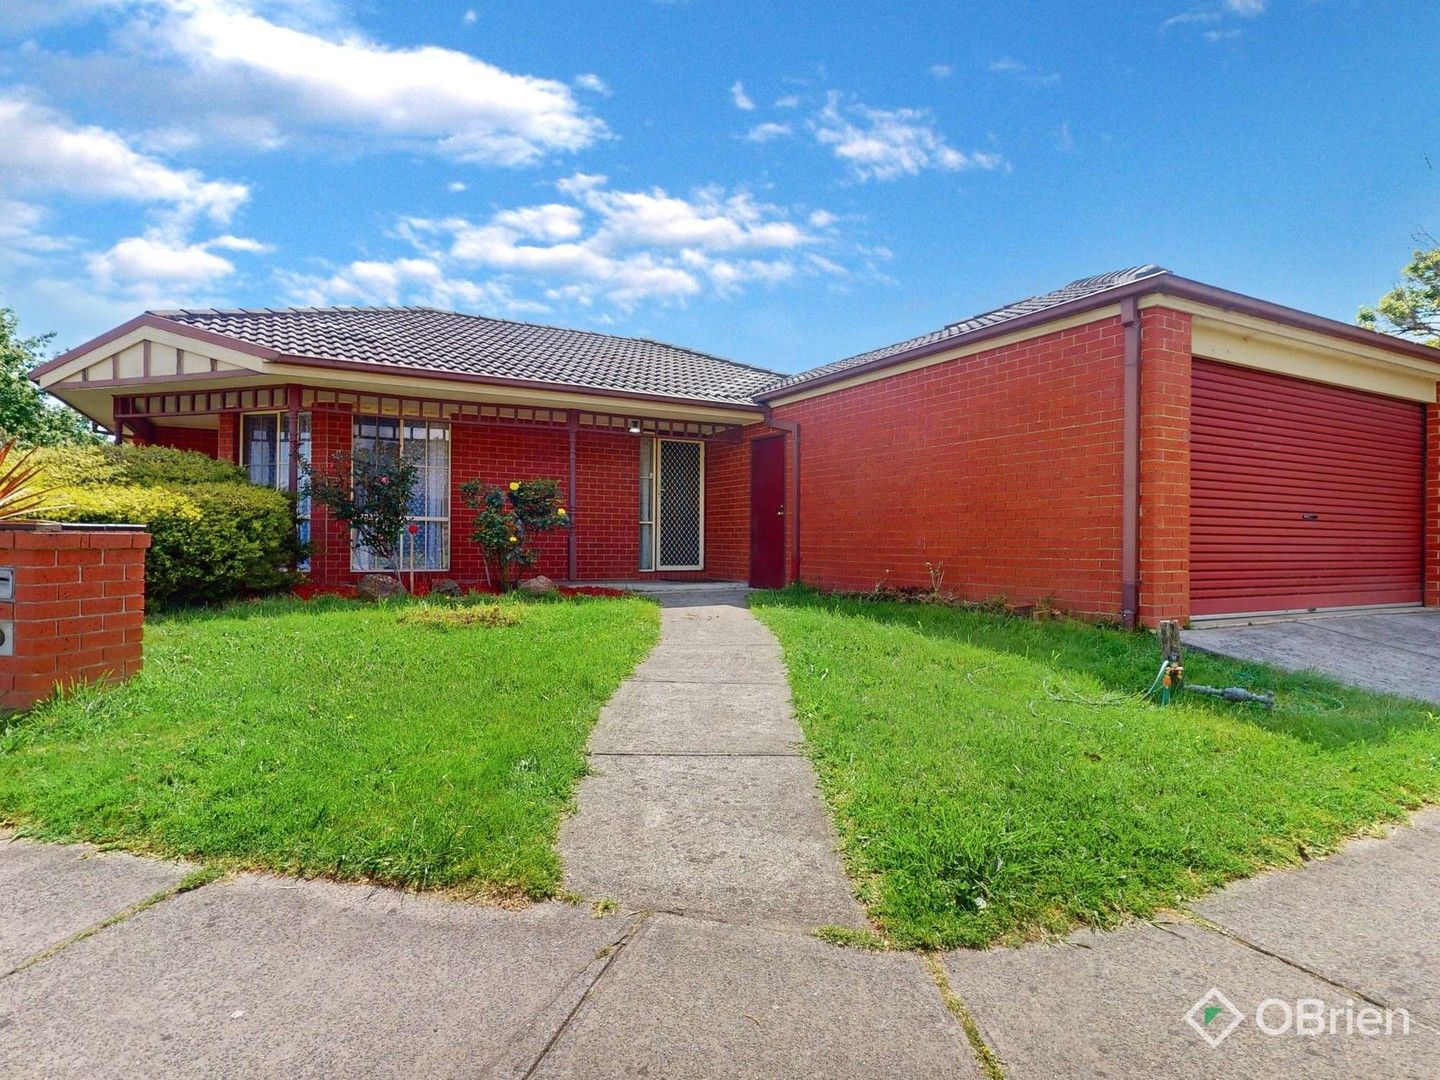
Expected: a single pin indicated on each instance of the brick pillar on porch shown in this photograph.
(1432, 505)
(1165, 362)
(227, 442)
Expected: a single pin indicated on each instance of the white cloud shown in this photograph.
(45, 152)
(1208, 16)
(742, 100)
(154, 259)
(768, 132)
(789, 101)
(822, 219)
(1064, 140)
(457, 186)
(600, 245)
(885, 144)
(1007, 65)
(941, 71)
(224, 72)
(50, 157)
(24, 237)
(1190, 18)
(593, 83)
(471, 17)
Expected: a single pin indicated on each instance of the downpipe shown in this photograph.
(1130, 475)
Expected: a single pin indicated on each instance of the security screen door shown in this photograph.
(680, 505)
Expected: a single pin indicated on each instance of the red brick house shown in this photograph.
(1135, 445)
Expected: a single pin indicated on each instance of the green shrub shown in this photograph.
(210, 542)
(138, 466)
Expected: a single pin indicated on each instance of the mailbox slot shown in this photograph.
(7, 637)
(7, 583)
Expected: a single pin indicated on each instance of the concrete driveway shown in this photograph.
(1393, 652)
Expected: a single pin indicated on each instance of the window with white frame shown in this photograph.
(672, 504)
(265, 457)
(426, 445)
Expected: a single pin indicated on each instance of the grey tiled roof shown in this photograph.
(1076, 290)
(446, 341)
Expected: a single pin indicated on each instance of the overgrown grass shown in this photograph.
(995, 779)
(335, 738)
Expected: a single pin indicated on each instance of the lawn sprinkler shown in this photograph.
(1170, 679)
(1235, 693)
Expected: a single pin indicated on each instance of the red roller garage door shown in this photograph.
(1302, 496)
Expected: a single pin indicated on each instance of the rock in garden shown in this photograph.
(379, 587)
(539, 585)
(446, 587)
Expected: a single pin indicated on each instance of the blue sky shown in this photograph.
(784, 184)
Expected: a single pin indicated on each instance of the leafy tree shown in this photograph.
(511, 518)
(371, 492)
(27, 415)
(1412, 308)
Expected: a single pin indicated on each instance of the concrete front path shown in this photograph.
(1393, 652)
(700, 800)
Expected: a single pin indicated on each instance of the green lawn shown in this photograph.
(994, 778)
(335, 738)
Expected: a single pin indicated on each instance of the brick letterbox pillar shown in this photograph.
(72, 607)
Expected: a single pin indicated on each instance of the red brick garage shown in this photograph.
(1135, 446)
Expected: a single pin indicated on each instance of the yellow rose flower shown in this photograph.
(561, 511)
(514, 485)
(513, 540)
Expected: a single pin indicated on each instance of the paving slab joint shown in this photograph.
(611, 954)
(985, 1056)
(1211, 926)
(189, 883)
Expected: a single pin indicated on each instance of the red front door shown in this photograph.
(767, 513)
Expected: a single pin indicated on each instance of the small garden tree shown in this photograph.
(510, 519)
(372, 493)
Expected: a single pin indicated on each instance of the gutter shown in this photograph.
(791, 427)
(1130, 471)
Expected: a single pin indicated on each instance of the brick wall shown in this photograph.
(201, 440)
(78, 611)
(1165, 363)
(727, 509)
(1005, 467)
(227, 439)
(604, 511)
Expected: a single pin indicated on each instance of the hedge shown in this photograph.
(215, 536)
(141, 466)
